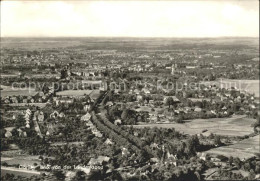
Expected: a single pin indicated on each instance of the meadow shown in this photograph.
(243, 149)
(9, 91)
(234, 126)
(18, 172)
(74, 92)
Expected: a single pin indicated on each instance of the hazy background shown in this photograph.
(130, 18)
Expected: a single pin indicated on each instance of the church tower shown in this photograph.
(173, 69)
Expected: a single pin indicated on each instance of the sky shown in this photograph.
(175, 18)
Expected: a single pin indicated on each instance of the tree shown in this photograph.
(20, 121)
(112, 112)
(15, 133)
(237, 162)
(2, 131)
(192, 145)
(114, 175)
(251, 175)
(80, 176)
(96, 175)
(256, 124)
(131, 121)
(124, 114)
(110, 96)
(63, 74)
(169, 101)
(231, 160)
(217, 140)
(257, 169)
(59, 174)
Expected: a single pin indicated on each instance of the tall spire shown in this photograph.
(173, 69)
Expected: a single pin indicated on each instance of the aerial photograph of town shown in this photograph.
(114, 91)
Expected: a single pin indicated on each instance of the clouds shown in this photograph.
(130, 18)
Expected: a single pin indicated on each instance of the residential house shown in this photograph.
(22, 133)
(109, 103)
(98, 161)
(154, 160)
(86, 107)
(202, 156)
(8, 134)
(125, 151)
(108, 142)
(96, 133)
(7, 101)
(197, 109)
(171, 159)
(224, 108)
(14, 100)
(64, 100)
(136, 91)
(146, 91)
(61, 115)
(38, 116)
(118, 122)
(175, 99)
(54, 114)
(86, 117)
(139, 97)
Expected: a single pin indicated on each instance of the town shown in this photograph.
(130, 109)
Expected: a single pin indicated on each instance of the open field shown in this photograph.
(251, 86)
(8, 75)
(10, 153)
(149, 109)
(3, 159)
(92, 93)
(27, 92)
(199, 99)
(75, 143)
(40, 105)
(234, 126)
(90, 82)
(17, 171)
(21, 161)
(9, 91)
(47, 76)
(74, 92)
(243, 149)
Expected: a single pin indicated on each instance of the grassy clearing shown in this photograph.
(74, 92)
(41, 105)
(16, 172)
(13, 153)
(20, 160)
(9, 75)
(234, 126)
(243, 149)
(69, 143)
(9, 91)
